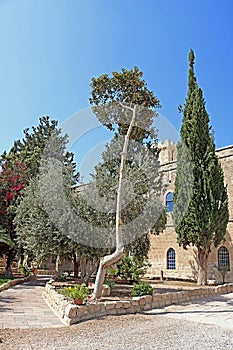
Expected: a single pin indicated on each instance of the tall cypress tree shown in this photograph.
(201, 202)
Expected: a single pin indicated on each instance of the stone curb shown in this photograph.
(70, 314)
(17, 281)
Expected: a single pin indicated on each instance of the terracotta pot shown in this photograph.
(78, 301)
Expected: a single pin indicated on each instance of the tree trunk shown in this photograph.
(104, 265)
(76, 266)
(202, 259)
(108, 260)
(83, 267)
(8, 264)
(91, 269)
(57, 263)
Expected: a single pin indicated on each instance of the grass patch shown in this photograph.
(5, 279)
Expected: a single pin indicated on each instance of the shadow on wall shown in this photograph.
(193, 264)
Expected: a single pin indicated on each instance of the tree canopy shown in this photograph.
(123, 102)
(19, 167)
(201, 202)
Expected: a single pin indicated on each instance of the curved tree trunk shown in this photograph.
(202, 259)
(108, 260)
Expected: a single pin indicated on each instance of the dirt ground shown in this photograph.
(122, 289)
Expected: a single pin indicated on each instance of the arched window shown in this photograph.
(169, 202)
(171, 259)
(223, 258)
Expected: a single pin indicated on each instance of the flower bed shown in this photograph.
(70, 314)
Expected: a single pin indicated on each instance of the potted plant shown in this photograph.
(78, 293)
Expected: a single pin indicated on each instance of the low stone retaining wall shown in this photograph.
(17, 281)
(70, 313)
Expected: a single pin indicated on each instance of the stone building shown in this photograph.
(166, 257)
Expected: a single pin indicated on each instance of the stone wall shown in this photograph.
(186, 267)
(70, 314)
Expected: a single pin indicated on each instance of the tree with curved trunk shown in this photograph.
(124, 103)
(201, 202)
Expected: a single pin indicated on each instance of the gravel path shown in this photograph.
(131, 332)
(203, 325)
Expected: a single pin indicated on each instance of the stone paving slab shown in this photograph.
(23, 306)
(216, 310)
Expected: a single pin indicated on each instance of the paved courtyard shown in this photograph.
(27, 323)
(217, 310)
(23, 306)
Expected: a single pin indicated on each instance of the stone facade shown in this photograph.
(184, 260)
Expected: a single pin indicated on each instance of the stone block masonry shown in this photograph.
(70, 314)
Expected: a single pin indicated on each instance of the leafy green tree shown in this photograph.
(124, 103)
(13, 180)
(131, 268)
(44, 220)
(4, 238)
(30, 149)
(28, 152)
(201, 201)
(142, 181)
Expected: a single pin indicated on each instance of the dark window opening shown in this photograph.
(171, 259)
(223, 258)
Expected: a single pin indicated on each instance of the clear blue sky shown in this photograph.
(50, 50)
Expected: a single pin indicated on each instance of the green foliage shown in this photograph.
(109, 282)
(142, 288)
(131, 268)
(23, 161)
(142, 180)
(25, 270)
(45, 220)
(124, 103)
(224, 271)
(4, 279)
(128, 88)
(201, 202)
(142, 211)
(79, 291)
(13, 179)
(4, 238)
(30, 149)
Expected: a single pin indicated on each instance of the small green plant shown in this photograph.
(110, 283)
(79, 291)
(223, 270)
(63, 276)
(142, 288)
(25, 270)
(131, 268)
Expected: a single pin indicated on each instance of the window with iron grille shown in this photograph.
(171, 259)
(223, 258)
